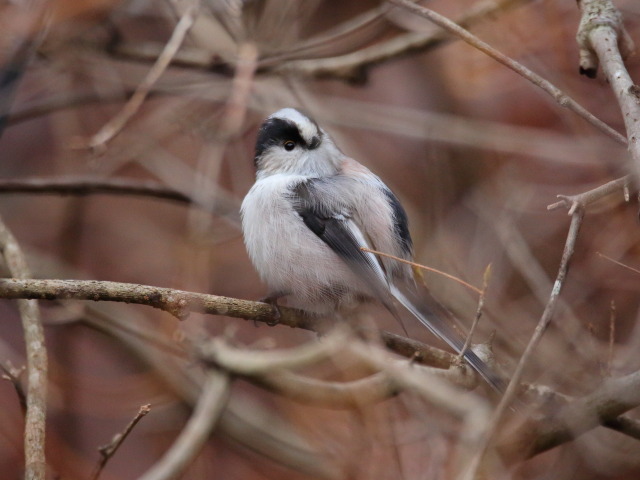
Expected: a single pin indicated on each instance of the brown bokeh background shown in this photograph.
(474, 151)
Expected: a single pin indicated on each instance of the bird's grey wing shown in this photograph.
(333, 224)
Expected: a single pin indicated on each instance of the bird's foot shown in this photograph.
(273, 301)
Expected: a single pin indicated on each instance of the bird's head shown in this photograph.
(291, 142)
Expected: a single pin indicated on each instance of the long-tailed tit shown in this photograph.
(306, 218)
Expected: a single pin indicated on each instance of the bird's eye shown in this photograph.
(289, 145)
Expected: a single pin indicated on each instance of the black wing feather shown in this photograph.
(332, 228)
(400, 221)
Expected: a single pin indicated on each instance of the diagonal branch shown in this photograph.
(559, 96)
(99, 140)
(601, 407)
(109, 450)
(541, 327)
(211, 403)
(12, 374)
(355, 65)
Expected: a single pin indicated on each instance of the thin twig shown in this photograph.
(543, 323)
(612, 336)
(99, 140)
(90, 185)
(245, 422)
(298, 59)
(355, 32)
(235, 110)
(230, 125)
(606, 257)
(424, 267)
(13, 375)
(35, 418)
(213, 399)
(559, 96)
(109, 450)
(586, 198)
(355, 65)
(476, 320)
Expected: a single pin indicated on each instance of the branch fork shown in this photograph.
(600, 16)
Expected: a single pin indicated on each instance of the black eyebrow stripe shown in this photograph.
(275, 131)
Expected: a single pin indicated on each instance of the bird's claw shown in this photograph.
(273, 301)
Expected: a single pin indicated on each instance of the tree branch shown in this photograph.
(354, 66)
(559, 96)
(211, 403)
(116, 124)
(180, 303)
(601, 407)
(90, 185)
(541, 327)
(35, 418)
(572, 202)
(272, 369)
(12, 374)
(601, 33)
(109, 450)
(221, 204)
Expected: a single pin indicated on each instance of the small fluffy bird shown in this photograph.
(306, 219)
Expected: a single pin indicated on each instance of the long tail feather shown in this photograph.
(439, 326)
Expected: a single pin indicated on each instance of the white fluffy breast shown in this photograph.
(289, 257)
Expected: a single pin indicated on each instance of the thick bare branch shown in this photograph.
(259, 362)
(272, 369)
(180, 303)
(329, 394)
(601, 33)
(602, 407)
